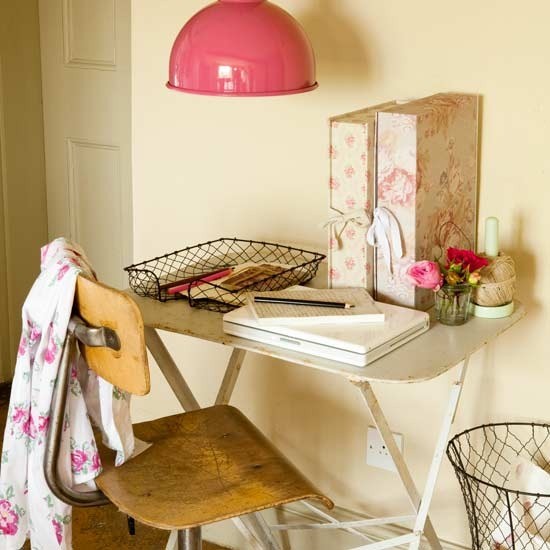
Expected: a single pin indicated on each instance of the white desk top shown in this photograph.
(430, 355)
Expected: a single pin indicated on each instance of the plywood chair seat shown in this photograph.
(204, 466)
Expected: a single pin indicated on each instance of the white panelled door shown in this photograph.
(86, 63)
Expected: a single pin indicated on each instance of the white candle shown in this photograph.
(491, 237)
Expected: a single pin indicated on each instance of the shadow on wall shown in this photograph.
(525, 266)
(340, 47)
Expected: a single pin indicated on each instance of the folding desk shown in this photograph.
(430, 355)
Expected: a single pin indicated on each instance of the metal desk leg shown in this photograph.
(248, 532)
(448, 420)
(397, 457)
(334, 521)
(185, 396)
(422, 524)
(259, 525)
(170, 370)
(252, 526)
(230, 377)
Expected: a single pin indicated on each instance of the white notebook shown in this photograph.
(365, 309)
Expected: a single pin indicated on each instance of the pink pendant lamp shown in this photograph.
(242, 48)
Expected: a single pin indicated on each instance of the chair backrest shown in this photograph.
(102, 306)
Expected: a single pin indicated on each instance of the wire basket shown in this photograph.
(147, 278)
(483, 459)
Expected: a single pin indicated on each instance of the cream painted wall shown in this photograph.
(206, 167)
(24, 227)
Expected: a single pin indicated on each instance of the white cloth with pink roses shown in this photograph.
(27, 506)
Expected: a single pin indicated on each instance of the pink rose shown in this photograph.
(334, 274)
(96, 463)
(35, 334)
(22, 347)
(8, 518)
(62, 272)
(334, 184)
(399, 187)
(19, 414)
(349, 171)
(350, 233)
(78, 459)
(24, 422)
(350, 263)
(43, 423)
(426, 274)
(44, 252)
(350, 140)
(474, 278)
(350, 203)
(28, 427)
(58, 531)
(51, 351)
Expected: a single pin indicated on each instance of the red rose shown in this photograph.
(466, 258)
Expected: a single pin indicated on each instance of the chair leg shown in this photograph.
(190, 539)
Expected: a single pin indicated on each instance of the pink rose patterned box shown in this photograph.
(351, 189)
(417, 161)
(426, 177)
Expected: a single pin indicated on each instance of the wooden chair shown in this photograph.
(203, 466)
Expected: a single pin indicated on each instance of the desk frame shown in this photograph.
(258, 533)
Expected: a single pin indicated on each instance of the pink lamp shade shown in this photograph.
(242, 48)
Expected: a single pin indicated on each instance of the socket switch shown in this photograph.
(377, 453)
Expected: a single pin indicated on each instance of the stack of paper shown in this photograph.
(363, 310)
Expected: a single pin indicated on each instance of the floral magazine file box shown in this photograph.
(418, 160)
(351, 190)
(426, 175)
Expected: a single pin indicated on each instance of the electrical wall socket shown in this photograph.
(377, 453)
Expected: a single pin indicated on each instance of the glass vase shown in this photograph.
(452, 304)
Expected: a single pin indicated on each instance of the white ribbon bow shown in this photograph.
(359, 217)
(384, 231)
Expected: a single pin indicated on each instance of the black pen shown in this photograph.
(294, 302)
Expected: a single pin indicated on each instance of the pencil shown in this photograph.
(293, 302)
(167, 286)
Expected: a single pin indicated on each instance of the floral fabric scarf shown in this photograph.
(27, 506)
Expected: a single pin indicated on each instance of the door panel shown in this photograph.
(95, 202)
(89, 33)
(87, 100)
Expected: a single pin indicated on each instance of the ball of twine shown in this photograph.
(498, 282)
